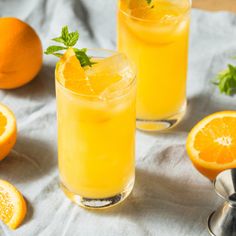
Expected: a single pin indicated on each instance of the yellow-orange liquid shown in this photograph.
(156, 39)
(95, 141)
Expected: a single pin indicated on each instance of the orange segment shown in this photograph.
(69, 68)
(127, 5)
(71, 74)
(72, 69)
(137, 4)
(7, 131)
(12, 205)
(211, 144)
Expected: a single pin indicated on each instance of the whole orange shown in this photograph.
(20, 53)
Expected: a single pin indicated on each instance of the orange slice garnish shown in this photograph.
(71, 74)
(91, 81)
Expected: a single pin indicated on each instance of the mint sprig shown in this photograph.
(149, 2)
(69, 40)
(226, 81)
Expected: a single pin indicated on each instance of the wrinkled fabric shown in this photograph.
(170, 197)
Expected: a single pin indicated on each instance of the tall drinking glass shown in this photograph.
(154, 34)
(96, 131)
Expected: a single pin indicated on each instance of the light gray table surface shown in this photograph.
(170, 197)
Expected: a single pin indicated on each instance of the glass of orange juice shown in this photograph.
(154, 34)
(96, 128)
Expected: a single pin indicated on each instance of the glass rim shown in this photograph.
(98, 97)
(127, 14)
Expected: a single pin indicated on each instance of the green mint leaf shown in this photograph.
(149, 2)
(69, 39)
(84, 59)
(226, 81)
(53, 49)
(57, 54)
(72, 39)
(232, 70)
(64, 33)
(59, 40)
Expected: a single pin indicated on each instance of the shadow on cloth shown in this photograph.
(32, 158)
(42, 86)
(30, 212)
(163, 199)
(195, 112)
(202, 105)
(29, 160)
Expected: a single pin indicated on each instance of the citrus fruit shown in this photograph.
(69, 67)
(70, 73)
(211, 144)
(7, 131)
(20, 53)
(90, 80)
(12, 205)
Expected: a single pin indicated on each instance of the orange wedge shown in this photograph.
(7, 131)
(69, 67)
(211, 144)
(12, 205)
(71, 74)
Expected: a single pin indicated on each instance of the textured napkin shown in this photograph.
(170, 197)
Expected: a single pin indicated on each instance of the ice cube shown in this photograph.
(115, 90)
(116, 64)
(109, 71)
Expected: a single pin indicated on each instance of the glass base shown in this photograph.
(99, 203)
(162, 124)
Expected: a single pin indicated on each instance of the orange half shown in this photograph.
(7, 131)
(211, 144)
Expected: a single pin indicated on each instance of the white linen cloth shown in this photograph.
(170, 197)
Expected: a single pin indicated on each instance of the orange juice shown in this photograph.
(96, 131)
(155, 37)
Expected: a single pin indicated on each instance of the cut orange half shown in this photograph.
(211, 144)
(12, 205)
(7, 131)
